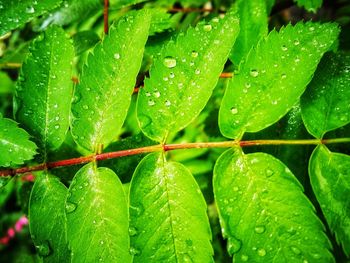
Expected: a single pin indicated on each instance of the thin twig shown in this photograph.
(105, 16)
(166, 147)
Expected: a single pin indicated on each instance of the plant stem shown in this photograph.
(166, 147)
(105, 16)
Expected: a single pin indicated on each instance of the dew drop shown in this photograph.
(296, 42)
(197, 71)
(85, 107)
(132, 231)
(295, 250)
(156, 94)
(30, 10)
(151, 103)
(283, 76)
(233, 245)
(133, 251)
(269, 172)
(259, 229)
(284, 48)
(244, 258)
(171, 75)
(148, 94)
(194, 54)
(234, 110)
(116, 56)
(70, 207)
(102, 242)
(167, 103)
(44, 249)
(254, 73)
(169, 62)
(261, 252)
(207, 28)
(57, 126)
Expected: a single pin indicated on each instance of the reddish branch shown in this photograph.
(105, 16)
(166, 147)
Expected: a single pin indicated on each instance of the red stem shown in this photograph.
(105, 16)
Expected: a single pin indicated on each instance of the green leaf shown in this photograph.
(15, 146)
(15, 13)
(330, 180)
(44, 89)
(310, 5)
(273, 77)
(102, 97)
(325, 104)
(253, 24)
(84, 40)
(47, 219)
(183, 76)
(168, 221)
(97, 217)
(263, 212)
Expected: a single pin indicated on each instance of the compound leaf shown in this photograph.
(103, 95)
(168, 220)
(273, 77)
(263, 212)
(47, 220)
(330, 180)
(325, 104)
(183, 76)
(310, 5)
(253, 26)
(15, 13)
(44, 89)
(97, 217)
(15, 146)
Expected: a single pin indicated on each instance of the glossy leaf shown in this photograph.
(273, 77)
(253, 24)
(325, 104)
(97, 217)
(15, 13)
(44, 89)
(264, 214)
(310, 5)
(84, 40)
(103, 95)
(183, 76)
(15, 146)
(330, 180)
(47, 219)
(168, 221)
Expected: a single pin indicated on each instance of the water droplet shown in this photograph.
(207, 28)
(133, 251)
(186, 258)
(194, 54)
(283, 76)
(169, 62)
(156, 94)
(167, 103)
(197, 71)
(165, 78)
(316, 255)
(312, 28)
(70, 207)
(269, 172)
(284, 48)
(261, 252)
(295, 250)
(296, 42)
(244, 258)
(151, 102)
(233, 245)
(234, 110)
(215, 20)
(148, 94)
(171, 75)
(260, 229)
(85, 107)
(254, 73)
(116, 56)
(132, 231)
(102, 242)
(57, 126)
(44, 249)
(30, 10)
